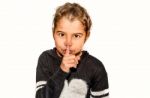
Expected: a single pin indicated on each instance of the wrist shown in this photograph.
(63, 68)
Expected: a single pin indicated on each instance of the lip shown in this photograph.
(70, 51)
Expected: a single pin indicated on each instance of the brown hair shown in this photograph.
(73, 11)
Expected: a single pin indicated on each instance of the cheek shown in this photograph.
(79, 44)
(58, 42)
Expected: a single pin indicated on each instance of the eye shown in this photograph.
(77, 36)
(60, 34)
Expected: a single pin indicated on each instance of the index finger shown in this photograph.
(67, 50)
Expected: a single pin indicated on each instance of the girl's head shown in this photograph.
(71, 28)
(73, 11)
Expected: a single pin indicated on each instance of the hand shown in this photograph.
(69, 61)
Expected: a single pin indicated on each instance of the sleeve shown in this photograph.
(48, 85)
(100, 85)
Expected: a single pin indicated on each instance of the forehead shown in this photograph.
(67, 25)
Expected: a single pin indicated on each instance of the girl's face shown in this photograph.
(69, 34)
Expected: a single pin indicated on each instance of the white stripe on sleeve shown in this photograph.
(39, 88)
(99, 93)
(40, 83)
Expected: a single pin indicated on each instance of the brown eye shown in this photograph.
(77, 36)
(61, 34)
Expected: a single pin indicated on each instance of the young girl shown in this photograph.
(67, 71)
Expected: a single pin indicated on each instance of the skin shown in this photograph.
(69, 37)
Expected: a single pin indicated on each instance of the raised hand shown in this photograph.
(69, 60)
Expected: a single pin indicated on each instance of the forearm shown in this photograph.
(53, 86)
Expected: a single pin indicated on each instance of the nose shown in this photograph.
(68, 41)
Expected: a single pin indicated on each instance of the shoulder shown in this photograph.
(48, 53)
(95, 65)
(47, 60)
(94, 61)
(47, 56)
(44, 54)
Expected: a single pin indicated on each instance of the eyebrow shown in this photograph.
(65, 32)
(60, 31)
(78, 33)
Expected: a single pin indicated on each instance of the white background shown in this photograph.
(120, 38)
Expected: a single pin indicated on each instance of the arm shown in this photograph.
(100, 86)
(48, 84)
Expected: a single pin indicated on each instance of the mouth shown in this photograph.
(61, 54)
(71, 52)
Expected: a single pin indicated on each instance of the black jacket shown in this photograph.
(89, 80)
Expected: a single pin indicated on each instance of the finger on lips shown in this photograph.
(67, 50)
(72, 60)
